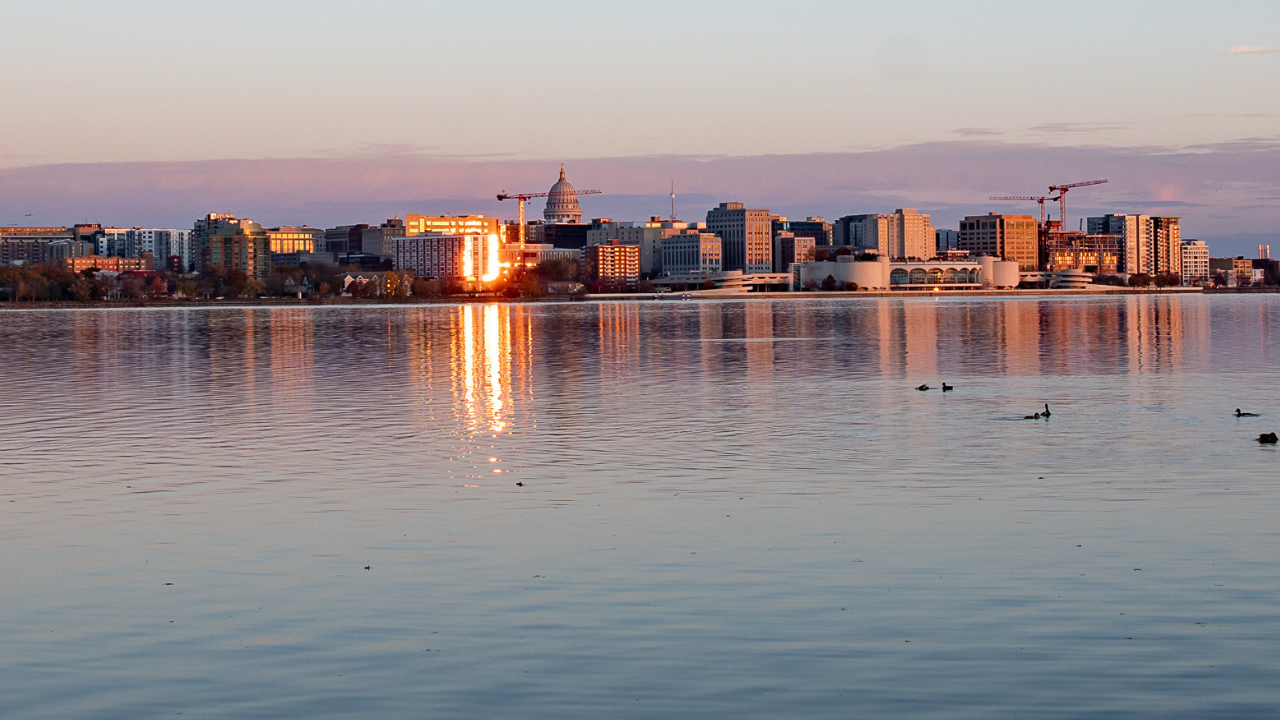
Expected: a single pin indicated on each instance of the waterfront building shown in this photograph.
(885, 274)
(692, 252)
(1153, 244)
(439, 256)
(1011, 237)
(237, 244)
(1096, 254)
(903, 234)
(612, 261)
(746, 235)
(1195, 262)
(789, 249)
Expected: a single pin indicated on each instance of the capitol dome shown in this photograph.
(562, 203)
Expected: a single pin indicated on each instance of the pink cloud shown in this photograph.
(1221, 190)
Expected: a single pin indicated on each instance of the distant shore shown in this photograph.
(620, 297)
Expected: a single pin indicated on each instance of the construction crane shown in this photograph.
(522, 197)
(1029, 198)
(1062, 195)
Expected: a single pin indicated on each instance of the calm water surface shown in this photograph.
(728, 510)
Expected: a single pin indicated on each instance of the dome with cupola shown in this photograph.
(562, 203)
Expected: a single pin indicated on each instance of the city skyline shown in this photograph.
(824, 109)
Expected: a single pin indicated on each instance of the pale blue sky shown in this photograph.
(148, 80)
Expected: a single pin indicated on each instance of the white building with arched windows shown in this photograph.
(883, 274)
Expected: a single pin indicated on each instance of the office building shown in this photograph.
(947, 240)
(1195, 262)
(816, 228)
(746, 236)
(789, 249)
(1010, 237)
(451, 225)
(612, 261)
(692, 252)
(381, 240)
(23, 245)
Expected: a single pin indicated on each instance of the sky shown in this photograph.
(139, 112)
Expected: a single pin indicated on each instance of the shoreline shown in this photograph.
(620, 297)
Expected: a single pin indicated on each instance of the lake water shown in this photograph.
(727, 510)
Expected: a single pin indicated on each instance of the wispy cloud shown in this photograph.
(977, 132)
(1077, 127)
(1252, 50)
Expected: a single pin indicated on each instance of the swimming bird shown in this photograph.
(922, 388)
(1032, 417)
(1245, 414)
(1268, 438)
(947, 388)
(1046, 410)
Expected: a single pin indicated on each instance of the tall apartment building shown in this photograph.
(746, 235)
(648, 236)
(692, 252)
(200, 237)
(441, 256)
(1153, 244)
(1195, 262)
(235, 244)
(904, 234)
(1010, 237)
(612, 261)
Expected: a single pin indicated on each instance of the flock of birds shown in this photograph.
(1265, 438)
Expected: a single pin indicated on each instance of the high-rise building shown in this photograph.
(200, 237)
(612, 261)
(235, 244)
(904, 234)
(692, 252)
(1153, 244)
(746, 235)
(470, 257)
(1195, 262)
(1010, 237)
